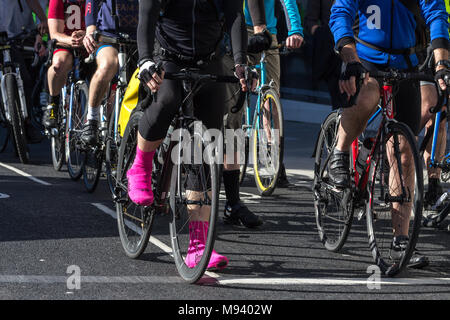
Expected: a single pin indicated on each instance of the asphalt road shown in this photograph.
(49, 223)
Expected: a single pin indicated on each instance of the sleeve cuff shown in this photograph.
(343, 42)
(440, 43)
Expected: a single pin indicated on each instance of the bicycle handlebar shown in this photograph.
(395, 75)
(122, 39)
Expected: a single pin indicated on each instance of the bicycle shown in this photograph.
(169, 179)
(379, 181)
(263, 131)
(441, 208)
(109, 131)
(72, 113)
(14, 110)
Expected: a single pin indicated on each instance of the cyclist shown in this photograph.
(181, 43)
(67, 27)
(15, 16)
(100, 15)
(386, 34)
(429, 99)
(261, 27)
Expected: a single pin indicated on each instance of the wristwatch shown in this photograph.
(445, 63)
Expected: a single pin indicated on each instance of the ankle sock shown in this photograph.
(93, 113)
(143, 159)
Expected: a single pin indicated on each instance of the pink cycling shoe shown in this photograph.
(140, 178)
(197, 233)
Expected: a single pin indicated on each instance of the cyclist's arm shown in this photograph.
(148, 17)
(56, 28)
(35, 6)
(236, 28)
(342, 18)
(258, 15)
(436, 18)
(293, 20)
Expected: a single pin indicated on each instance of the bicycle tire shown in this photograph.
(180, 224)
(17, 123)
(266, 177)
(333, 227)
(111, 154)
(92, 168)
(378, 214)
(58, 141)
(74, 155)
(135, 232)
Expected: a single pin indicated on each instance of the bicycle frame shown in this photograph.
(387, 111)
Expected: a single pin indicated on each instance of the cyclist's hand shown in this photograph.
(248, 77)
(294, 42)
(89, 43)
(77, 38)
(350, 72)
(151, 75)
(259, 42)
(443, 78)
(43, 27)
(39, 47)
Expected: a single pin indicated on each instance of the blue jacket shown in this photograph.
(387, 24)
(99, 13)
(293, 19)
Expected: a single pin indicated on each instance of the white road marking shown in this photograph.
(152, 240)
(230, 281)
(24, 174)
(4, 196)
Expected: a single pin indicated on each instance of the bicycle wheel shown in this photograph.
(134, 222)
(74, 154)
(194, 200)
(111, 154)
(92, 168)
(333, 207)
(246, 129)
(4, 127)
(395, 199)
(57, 140)
(17, 123)
(268, 140)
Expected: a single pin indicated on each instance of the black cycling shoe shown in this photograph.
(282, 181)
(49, 120)
(398, 247)
(89, 134)
(433, 193)
(338, 169)
(240, 214)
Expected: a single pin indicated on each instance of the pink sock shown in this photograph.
(143, 159)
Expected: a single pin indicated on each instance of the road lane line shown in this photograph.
(4, 196)
(152, 239)
(49, 279)
(24, 174)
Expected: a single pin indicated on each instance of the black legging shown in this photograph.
(209, 103)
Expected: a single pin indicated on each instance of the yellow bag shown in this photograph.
(130, 101)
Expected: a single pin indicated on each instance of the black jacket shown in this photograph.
(191, 28)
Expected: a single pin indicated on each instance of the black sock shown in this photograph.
(54, 100)
(231, 183)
